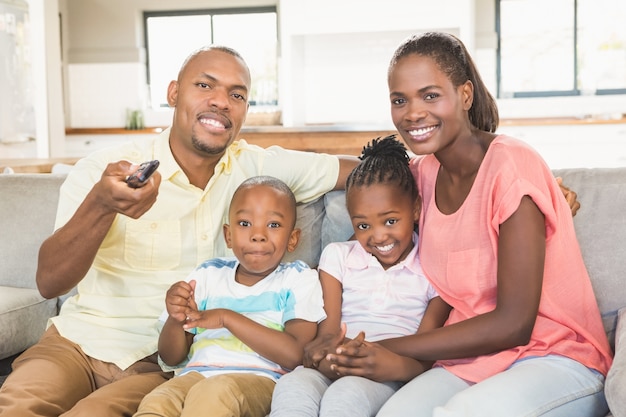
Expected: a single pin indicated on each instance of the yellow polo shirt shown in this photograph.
(114, 315)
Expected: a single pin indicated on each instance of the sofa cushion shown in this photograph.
(336, 226)
(309, 220)
(27, 211)
(616, 379)
(23, 317)
(600, 227)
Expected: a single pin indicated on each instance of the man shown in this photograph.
(124, 247)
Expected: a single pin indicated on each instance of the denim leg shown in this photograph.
(552, 386)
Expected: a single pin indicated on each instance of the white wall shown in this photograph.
(333, 59)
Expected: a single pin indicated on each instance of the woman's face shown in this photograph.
(426, 108)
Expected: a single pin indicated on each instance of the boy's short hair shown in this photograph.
(272, 182)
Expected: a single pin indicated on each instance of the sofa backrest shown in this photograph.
(601, 230)
(28, 204)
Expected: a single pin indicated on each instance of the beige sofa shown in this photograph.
(28, 205)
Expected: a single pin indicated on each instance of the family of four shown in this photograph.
(463, 292)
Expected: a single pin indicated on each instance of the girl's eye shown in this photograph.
(243, 223)
(431, 96)
(398, 101)
(273, 225)
(391, 222)
(362, 226)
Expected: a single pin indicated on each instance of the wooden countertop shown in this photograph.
(529, 121)
(334, 139)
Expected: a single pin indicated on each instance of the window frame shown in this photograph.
(212, 12)
(574, 91)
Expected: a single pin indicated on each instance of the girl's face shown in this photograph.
(428, 111)
(383, 217)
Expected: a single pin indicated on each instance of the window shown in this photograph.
(171, 36)
(561, 47)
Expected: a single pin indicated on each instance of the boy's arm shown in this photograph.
(174, 342)
(284, 348)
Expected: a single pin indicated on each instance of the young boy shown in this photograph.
(241, 321)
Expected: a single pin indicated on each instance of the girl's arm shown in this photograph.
(521, 255)
(329, 333)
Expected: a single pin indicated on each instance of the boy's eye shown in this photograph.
(397, 101)
(431, 96)
(203, 85)
(239, 97)
(362, 226)
(243, 223)
(273, 225)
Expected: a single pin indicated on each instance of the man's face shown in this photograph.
(210, 100)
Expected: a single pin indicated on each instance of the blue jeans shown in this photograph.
(305, 392)
(552, 386)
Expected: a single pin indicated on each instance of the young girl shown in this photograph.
(497, 242)
(375, 284)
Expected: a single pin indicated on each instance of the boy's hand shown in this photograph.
(206, 319)
(179, 300)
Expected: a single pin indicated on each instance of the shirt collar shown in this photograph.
(169, 168)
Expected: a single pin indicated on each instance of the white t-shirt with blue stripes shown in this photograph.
(292, 291)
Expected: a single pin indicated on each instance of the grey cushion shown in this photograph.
(23, 317)
(615, 386)
(27, 211)
(601, 229)
(28, 205)
(309, 220)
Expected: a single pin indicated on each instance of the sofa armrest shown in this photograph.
(616, 378)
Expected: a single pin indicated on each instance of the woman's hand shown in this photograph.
(359, 357)
(570, 196)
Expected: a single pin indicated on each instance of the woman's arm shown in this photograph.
(374, 361)
(521, 255)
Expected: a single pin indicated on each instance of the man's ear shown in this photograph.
(294, 238)
(172, 93)
(226, 229)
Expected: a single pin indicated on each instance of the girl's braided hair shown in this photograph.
(384, 161)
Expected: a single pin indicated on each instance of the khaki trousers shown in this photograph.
(225, 395)
(55, 378)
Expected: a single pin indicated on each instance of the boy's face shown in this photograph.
(383, 218)
(260, 229)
